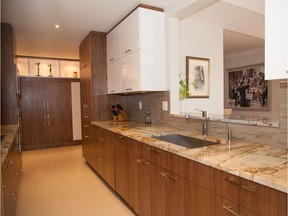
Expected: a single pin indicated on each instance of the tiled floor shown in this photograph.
(58, 182)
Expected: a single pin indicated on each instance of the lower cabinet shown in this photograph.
(154, 182)
(11, 172)
(125, 170)
(98, 150)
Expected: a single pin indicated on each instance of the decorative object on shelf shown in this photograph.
(247, 89)
(38, 68)
(50, 70)
(75, 74)
(198, 77)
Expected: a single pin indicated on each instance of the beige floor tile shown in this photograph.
(58, 182)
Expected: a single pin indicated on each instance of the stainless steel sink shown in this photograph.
(188, 142)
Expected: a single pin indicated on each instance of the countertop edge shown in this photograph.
(260, 179)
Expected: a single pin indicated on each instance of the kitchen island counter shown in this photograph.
(263, 164)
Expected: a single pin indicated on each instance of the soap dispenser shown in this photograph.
(147, 117)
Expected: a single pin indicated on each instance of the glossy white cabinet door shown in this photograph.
(130, 69)
(276, 39)
(129, 34)
(114, 77)
(142, 53)
(113, 45)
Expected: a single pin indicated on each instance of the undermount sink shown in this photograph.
(188, 142)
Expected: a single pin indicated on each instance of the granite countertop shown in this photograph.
(9, 132)
(263, 164)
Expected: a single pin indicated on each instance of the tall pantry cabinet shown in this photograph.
(93, 82)
(9, 97)
(47, 112)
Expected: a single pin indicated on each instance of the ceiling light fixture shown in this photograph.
(57, 26)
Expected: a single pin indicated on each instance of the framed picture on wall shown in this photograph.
(198, 77)
(247, 89)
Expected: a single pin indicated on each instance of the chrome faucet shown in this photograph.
(204, 123)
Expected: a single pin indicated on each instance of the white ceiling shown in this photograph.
(33, 22)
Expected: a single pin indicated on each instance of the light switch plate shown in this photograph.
(140, 105)
(165, 105)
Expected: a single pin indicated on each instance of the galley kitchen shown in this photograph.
(149, 108)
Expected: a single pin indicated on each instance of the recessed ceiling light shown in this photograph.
(57, 26)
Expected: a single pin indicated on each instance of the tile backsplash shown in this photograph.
(257, 134)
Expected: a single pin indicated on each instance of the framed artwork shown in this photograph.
(247, 89)
(198, 77)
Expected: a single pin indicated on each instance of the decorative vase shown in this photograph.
(182, 106)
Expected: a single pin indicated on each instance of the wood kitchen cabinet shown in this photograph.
(93, 81)
(9, 97)
(160, 191)
(103, 142)
(46, 112)
(155, 182)
(202, 198)
(246, 197)
(11, 172)
(141, 40)
(125, 170)
(88, 140)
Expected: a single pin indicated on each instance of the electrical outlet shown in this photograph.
(165, 105)
(140, 105)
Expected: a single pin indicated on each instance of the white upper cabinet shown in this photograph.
(113, 45)
(114, 83)
(142, 53)
(276, 39)
(129, 29)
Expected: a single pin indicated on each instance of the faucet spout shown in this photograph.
(204, 123)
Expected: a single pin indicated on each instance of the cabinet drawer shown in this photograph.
(201, 175)
(238, 190)
(167, 160)
(224, 207)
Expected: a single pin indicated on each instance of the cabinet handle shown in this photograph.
(251, 188)
(153, 150)
(86, 126)
(44, 120)
(101, 160)
(111, 59)
(140, 161)
(13, 196)
(230, 210)
(4, 189)
(112, 91)
(128, 89)
(101, 140)
(127, 51)
(168, 177)
(86, 137)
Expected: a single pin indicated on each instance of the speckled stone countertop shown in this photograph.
(10, 132)
(263, 164)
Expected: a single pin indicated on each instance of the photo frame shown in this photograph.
(247, 89)
(198, 77)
